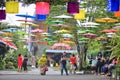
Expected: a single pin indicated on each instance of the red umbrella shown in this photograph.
(109, 31)
(8, 42)
(37, 30)
(90, 35)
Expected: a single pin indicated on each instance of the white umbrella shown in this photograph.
(90, 23)
(63, 16)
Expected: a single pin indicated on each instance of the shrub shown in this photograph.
(2, 64)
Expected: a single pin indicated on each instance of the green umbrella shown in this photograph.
(84, 31)
(67, 35)
(47, 39)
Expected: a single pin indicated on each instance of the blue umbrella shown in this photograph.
(25, 16)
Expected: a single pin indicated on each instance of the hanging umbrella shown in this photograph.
(46, 34)
(56, 22)
(25, 16)
(67, 46)
(25, 20)
(63, 16)
(47, 39)
(90, 35)
(37, 30)
(84, 31)
(61, 25)
(62, 31)
(109, 30)
(90, 24)
(67, 35)
(8, 42)
(30, 24)
(69, 42)
(107, 19)
(8, 34)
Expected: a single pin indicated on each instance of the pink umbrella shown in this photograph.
(8, 42)
(90, 35)
(67, 46)
(109, 31)
(61, 25)
(37, 30)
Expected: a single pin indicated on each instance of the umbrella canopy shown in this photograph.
(30, 24)
(63, 16)
(69, 42)
(61, 25)
(62, 31)
(10, 30)
(109, 31)
(67, 46)
(90, 35)
(84, 31)
(107, 19)
(90, 23)
(8, 42)
(56, 22)
(25, 20)
(47, 39)
(67, 35)
(37, 30)
(25, 16)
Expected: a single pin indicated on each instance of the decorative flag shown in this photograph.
(41, 17)
(73, 7)
(80, 15)
(2, 14)
(42, 8)
(113, 5)
(12, 7)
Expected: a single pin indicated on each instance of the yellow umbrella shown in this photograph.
(30, 24)
(8, 34)
(69, 42)
(107, 19)
(62, 31)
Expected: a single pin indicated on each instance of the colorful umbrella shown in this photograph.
(90, 35)
(47, 39)
(30, 24)
(69, 42)
(25, 16)
(67, 46)
(62, 31)
(56, 22)
(61, 25)
(90, 24)
(109, 31)
(37, 30)
(63, 16)
(25, 20)
(8, 42)
(67, 35)
(107, 19)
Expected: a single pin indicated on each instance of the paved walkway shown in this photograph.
(50, 71)
(51, 74)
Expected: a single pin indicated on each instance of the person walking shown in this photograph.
(20, 62)
(73, 65)
(25, 63)
(63, 63)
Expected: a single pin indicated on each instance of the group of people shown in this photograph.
(22, 63)
(105, 66)
(63, 63)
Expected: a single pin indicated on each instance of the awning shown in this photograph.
(61, 51)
